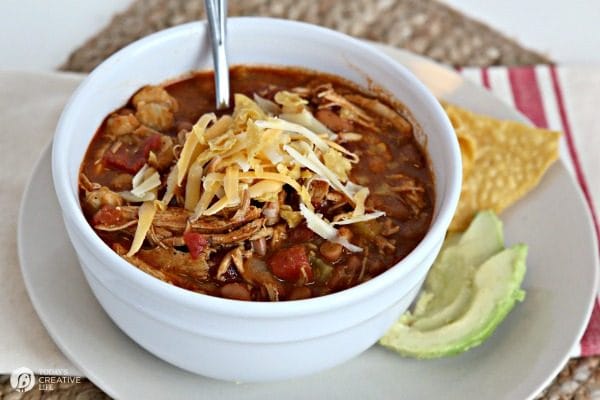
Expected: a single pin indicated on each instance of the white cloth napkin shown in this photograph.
(30, 104)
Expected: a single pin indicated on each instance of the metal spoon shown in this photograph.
(216, 12)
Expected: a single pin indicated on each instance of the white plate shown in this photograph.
(523, 355)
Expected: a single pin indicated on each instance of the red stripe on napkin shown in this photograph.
(590, 342)
(485, 78)
(527, 96)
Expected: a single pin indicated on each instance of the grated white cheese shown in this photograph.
(324, 229)
(276, 123)
(314, 164)
(359, 218)
(152, 182)
(307, 120)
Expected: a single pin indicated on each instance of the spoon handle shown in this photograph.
(216, 12)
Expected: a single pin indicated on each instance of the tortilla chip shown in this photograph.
(503, 160)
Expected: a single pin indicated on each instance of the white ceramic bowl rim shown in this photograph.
(69, 201)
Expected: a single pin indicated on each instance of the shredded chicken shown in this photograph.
(242, 212)
(234, 257)
(318, 190)
(259, 246)
(255, 271)
(271, 213)
(86, 184)
(399, 122)
(239, 235)
(279, 234)
(172, 261)
(175, 220)
(348, 110)
(389, 227)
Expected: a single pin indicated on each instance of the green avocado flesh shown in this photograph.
(471, 287)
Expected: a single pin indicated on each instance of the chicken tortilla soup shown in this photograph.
(308, 185)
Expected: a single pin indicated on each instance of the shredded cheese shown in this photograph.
(192, 186)
(191, 142)
(275, 123)
(359, 218)
(353, 158)
(290, 102)
(231, 185)
(293, 218)
(324, 229)
(209, 193)
(171, 184)
(312, 162)
(264, 187)
(218, 206)
(219, 127)
(146, 214)
(152, 182)
(267, 105)
(337, 163)
(139, 176)
(307, 120)
(274, 176)
(359, 200)
(245, 110)
(143, 183)
(130, 197)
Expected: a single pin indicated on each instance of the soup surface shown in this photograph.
(308, 185)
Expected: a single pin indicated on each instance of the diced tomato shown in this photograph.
(152, 143)
(108, 216)
(301, 234)
(195, 243)
(291, 264)
(132, 158)
(124, 159)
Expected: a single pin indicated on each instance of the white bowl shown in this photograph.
(229, 339)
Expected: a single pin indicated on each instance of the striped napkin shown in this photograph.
(563, 99)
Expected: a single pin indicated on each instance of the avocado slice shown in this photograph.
(470, 289)
(447, 290)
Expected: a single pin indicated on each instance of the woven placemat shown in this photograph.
(424, 27)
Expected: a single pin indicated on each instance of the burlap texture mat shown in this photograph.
(422, 26)
(425, 27)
